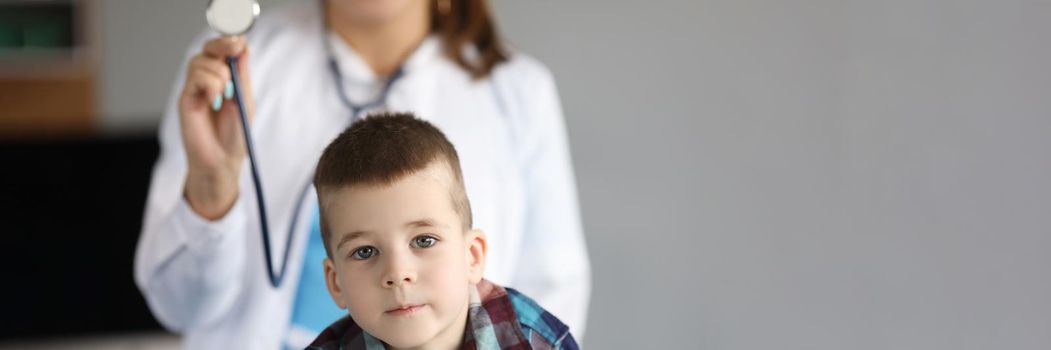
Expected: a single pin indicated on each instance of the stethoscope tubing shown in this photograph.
(275, 277)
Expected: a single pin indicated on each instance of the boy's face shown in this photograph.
(401, 261)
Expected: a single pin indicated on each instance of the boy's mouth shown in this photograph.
(406, 309)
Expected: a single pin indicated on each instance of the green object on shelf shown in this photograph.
(29, 26)
(10, 35)
(45, 33)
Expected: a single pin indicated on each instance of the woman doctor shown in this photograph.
(309, 69)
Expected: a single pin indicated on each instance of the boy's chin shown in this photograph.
(404, 336)
(408, 340)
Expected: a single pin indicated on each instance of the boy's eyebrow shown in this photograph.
(349, 237)
(411, 224)
(423, 223)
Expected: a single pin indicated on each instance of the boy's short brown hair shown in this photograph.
(381, 149)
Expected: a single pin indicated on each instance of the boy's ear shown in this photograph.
(332, 282)
(476, 250)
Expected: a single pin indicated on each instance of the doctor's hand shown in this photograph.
(211, 126)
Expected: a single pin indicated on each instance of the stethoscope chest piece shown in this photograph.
(232, 17)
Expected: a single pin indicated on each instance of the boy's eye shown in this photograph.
(424, 241)
(363, 253)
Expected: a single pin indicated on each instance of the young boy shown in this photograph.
(402, 256)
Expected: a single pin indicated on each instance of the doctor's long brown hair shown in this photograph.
(463, 23)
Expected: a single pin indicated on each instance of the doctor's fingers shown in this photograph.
(205, 84)
(211, 65)
(225, 46)
(221, 48)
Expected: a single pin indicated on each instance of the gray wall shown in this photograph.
(760, 174)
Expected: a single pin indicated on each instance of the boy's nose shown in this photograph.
(399, 272)
(391, 282)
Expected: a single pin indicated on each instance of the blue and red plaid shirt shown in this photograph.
(498, 318)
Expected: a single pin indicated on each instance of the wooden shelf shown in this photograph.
(48, 67)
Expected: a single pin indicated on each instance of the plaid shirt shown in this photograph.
(498, 318)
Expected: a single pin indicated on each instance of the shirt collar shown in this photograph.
(355, 69)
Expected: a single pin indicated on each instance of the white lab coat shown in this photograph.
(208, 281)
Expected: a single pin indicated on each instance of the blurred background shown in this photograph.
(753, 174)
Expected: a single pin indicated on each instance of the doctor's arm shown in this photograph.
(187, 264)
(553, 267)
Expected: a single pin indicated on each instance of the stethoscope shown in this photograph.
(236, 17)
